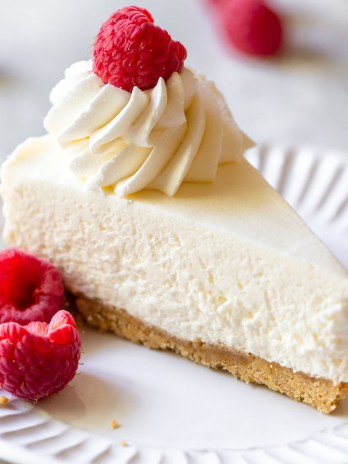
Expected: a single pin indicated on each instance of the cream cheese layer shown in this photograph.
(180, 130)
(227, 262)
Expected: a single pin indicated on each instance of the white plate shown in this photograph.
(173, 411)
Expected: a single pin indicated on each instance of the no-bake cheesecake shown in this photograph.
(167, 236)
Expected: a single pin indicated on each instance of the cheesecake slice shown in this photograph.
(225, 273)
(164, 233)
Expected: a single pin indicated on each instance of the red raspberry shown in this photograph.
(252, 26)
(39, 359)
(31, 289)
(130, 51)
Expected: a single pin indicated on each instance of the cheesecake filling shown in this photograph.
(180, 130)
(196, 276)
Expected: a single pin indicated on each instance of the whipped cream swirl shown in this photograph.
(180, 130)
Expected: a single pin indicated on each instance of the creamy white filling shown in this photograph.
(180, 130)
(223, 262)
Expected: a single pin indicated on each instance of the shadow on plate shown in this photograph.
(90, 401)
(342, 410)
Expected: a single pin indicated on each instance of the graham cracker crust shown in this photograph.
(320, 393)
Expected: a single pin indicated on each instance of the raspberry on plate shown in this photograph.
(31, 289)
(131, 51)
(39, 359)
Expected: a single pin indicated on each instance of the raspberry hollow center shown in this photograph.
(20, 284)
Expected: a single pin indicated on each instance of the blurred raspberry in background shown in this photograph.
(250, 26)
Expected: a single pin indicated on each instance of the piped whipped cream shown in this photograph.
(180, 130)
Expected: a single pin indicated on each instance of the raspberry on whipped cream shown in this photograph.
(135, 118)
(130, 50)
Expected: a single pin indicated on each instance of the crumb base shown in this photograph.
(320, 393)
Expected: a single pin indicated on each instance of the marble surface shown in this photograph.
(299, 98)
